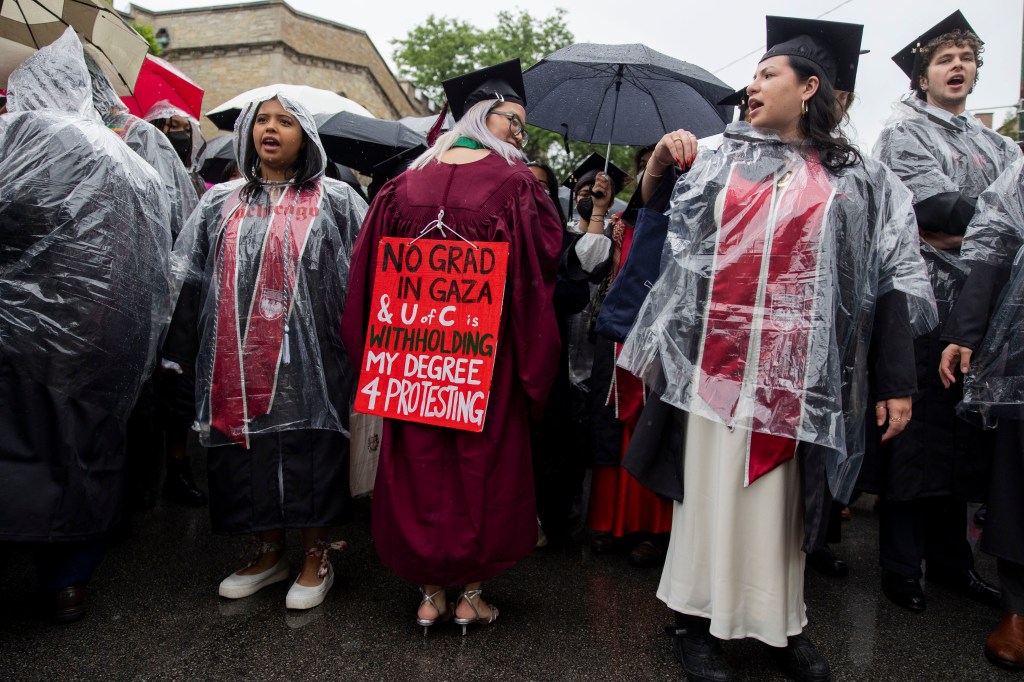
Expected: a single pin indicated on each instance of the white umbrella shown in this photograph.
(27, 25)
(316, 100)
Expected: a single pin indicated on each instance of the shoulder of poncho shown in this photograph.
(218, 194)
(1000, 140)
(339, 191)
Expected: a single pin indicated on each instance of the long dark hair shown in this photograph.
(820, 126)
(307, 165)
(551, 183)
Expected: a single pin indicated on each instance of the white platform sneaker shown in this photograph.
(303, 597)
(236, 586)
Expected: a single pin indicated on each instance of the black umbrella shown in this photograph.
(360, 142)
(622, 94)
(218, 154)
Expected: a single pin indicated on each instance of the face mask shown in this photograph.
(181, 140)
(585, 207)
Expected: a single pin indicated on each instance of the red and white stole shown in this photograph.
(245, 366)
(761, 307)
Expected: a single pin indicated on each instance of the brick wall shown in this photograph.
(230, 49)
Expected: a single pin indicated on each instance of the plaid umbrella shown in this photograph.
(27, 25)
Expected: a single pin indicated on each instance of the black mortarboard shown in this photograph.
(502, 81)
(737, 99)
(908, 58)
(834, 46)
(588, 170)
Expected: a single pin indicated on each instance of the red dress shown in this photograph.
(619, 505)
(453, 507)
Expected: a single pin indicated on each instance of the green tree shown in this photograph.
(442, 47)
(146, 31)
(1009, 126)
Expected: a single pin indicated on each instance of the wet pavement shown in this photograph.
(566, 614)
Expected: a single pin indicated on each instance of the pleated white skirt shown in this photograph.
(734, 555)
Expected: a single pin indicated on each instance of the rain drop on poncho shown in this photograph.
(149, 143)
(777, 344)
(84, 298)
(266, 317)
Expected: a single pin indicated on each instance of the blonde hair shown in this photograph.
(473, 125)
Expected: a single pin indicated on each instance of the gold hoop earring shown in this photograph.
(803, 107)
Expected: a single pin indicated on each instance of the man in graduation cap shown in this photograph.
(927, 475)
(458, 507)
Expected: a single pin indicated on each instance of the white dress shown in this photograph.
(735, 553)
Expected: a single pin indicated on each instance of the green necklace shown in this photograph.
(468, 143)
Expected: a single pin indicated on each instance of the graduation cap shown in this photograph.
(909, 58)
(737, 99)
(588, 170)
(834, 46)
(502, 81)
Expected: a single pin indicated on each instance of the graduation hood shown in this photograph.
(243, 133)
(53, 78)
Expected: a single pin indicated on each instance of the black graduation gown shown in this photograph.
(1004, 526)
(937, 454)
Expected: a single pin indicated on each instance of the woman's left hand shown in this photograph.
(897, 411)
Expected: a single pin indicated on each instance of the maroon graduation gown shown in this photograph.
(453, 507)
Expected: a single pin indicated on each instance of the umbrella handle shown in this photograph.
(615, 111)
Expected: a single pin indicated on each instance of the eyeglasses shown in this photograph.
(515, 124)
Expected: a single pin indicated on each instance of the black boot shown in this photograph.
(802, 662)
(179, 486)
(699, 651)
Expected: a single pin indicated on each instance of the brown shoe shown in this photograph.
(1005, 646)
(647, 554)
(68, 603)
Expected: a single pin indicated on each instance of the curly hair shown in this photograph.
(957, 38)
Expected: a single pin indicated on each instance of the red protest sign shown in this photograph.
(433, 331)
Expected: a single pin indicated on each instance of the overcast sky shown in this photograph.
(714, 34)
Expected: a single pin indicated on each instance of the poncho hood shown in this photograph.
(243, 133)
(164, 109)
(54, 78)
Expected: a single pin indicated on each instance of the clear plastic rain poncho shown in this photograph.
(269, 277)
(761, 317)
(931, 156)
(995, 384)
(163, 110)
(149, 143)
(84, 245)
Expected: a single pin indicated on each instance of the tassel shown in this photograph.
(435, 130)
(287, 347)
(565, 138)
